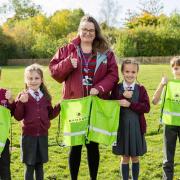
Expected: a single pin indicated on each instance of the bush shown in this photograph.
(125, 46)
(148, 41)
(45, 46)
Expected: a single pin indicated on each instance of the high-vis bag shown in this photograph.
(5, 121)
(74, 118)
(104, 121)
(171, 104)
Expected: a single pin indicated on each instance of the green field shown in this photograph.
(57, 167)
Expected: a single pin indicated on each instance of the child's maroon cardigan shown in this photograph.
(140, 107)
(35, 115)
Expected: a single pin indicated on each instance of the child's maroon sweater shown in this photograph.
(36, 115)
(140, 107)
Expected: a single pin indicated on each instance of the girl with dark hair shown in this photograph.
(86, 66)
(134, 102)
(34, 109)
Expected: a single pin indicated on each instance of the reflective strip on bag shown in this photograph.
(103, 131)
(171, 113)
(2, 144)
(74, 133)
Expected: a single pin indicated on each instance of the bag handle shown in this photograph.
(58, 134)
(86, 140)
(162, 107)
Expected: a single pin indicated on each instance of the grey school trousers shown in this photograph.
(171, 133)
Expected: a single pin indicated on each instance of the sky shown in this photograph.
(93, 7)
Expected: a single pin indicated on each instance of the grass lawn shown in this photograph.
(57, 167)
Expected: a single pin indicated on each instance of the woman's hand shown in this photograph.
(128, 94)
(94, 91)
(24, 97)
(124, 103)
(73, 61)
(22, 123)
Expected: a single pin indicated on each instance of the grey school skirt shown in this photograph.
(34, 149)
(130, 140)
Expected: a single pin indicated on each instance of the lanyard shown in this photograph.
(86, 69)
(85, 60)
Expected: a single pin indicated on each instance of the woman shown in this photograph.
(86, 66)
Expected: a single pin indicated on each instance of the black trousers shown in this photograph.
(171, 134)
(92, 156)
(5, 173)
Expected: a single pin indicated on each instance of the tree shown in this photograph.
(175, 20)
(110, 11)
(22, 9)
(144, 19)
(64, 22)
(153, 7)
(39, 23)
(130, 15)
(45, 46)
(74, 19)
(7, 47)
(150, 12)
(22, 33)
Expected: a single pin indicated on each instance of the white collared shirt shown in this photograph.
(37, 98)
(126, 86)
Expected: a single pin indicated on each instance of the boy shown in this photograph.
(170, 116)
(6, 104)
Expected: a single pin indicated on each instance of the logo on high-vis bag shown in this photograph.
(79, 117)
